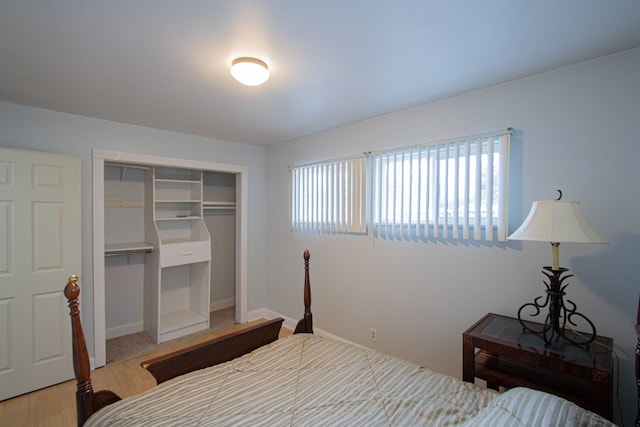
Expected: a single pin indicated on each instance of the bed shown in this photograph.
(253, 378)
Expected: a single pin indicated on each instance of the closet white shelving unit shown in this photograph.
(177, 280)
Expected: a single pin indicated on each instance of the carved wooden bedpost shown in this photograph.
(305, 325)
(81, 367)
(87, 402)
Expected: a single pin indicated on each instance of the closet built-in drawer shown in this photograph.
(184, 253)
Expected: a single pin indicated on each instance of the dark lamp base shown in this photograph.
(562, 314)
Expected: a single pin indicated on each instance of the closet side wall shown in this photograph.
(219, 193)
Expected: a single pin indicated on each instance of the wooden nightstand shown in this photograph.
(497, 350)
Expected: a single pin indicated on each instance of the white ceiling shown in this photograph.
(165, 63)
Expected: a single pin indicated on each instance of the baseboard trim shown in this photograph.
(118, 331)
(222, 304)
(291, 323)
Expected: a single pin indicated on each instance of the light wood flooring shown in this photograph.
(55, 406)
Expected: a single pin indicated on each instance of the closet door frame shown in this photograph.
(102, 156)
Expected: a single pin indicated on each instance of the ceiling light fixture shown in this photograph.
(249, 71)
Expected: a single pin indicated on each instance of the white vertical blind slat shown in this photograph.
(311, 199)
(386, 199)
(436, 191)
(293, 199)
(341, 200)
(489, 208)
(419, 193)
(403, 195)
(376, 195)
(467, 173)
(323, 209)
(302, 201)
(394, 204)
(307, 201)
(355, 187)
(477, 230)
(362, 200)
(445, 201)
(427, 190)
(456, 194)
(362, 221)
(331, 197)
(314, 194)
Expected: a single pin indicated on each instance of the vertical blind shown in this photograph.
(450, 189)
(330, 197)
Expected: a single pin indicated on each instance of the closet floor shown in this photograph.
(126, 346)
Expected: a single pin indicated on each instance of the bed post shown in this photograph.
(305, 325)
(87, 402)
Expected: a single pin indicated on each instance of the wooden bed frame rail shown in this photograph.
(212, 352)
(163, 368)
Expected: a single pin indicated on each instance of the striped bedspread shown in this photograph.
(307, 380)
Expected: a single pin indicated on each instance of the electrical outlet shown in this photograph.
(373, 336)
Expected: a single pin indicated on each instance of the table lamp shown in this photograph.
(557, 221)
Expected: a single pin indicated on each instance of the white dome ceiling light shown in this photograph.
(249, 71)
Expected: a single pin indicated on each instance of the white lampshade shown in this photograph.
(250, 71)
(557, 221)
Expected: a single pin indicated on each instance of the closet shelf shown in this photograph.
(178, 181)
(218, 205)
(115, 249)
(177, 218)
(124, 203)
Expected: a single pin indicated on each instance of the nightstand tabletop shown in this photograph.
(508, 332)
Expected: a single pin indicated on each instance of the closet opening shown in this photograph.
(169, 251)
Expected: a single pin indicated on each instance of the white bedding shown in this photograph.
(307, 380)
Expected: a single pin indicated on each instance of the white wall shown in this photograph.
(37, 129)
(576, 129)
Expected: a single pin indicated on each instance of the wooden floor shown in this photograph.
(55, 406)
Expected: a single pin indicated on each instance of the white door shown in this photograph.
(39, 249)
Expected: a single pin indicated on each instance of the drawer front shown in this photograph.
(184, 253)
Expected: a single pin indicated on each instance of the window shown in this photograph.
(330, 197)
(450, 189)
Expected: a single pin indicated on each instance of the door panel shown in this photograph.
(48, 327)
(6, 327)
(47, 232)
(6, 226)
(40, 223)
